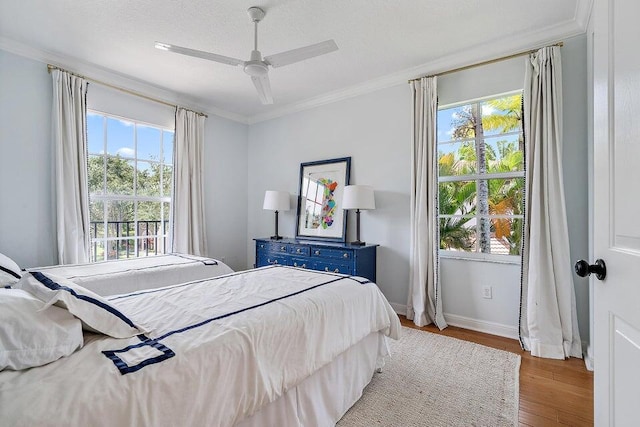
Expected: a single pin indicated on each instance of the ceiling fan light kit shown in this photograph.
(255, 66)
(258, 67)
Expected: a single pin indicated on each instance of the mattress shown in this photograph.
(218, 351)
(116, 277)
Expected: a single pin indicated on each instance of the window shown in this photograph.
(481, 176)
(130, 187)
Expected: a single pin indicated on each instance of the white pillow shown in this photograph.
(31, 336)
(96, 313)
(9, 271)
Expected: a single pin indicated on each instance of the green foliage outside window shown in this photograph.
(129, 189)
(481, 212)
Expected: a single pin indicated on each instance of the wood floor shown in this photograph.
(552, 392)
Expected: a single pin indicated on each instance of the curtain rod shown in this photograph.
(121, 89)
(490, 61)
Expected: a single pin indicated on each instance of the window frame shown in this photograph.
(105, 197)
(476, 177)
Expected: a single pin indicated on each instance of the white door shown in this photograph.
(616, 202)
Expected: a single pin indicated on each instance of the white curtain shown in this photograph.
(424, 304)
(69, 133)
(548, 319)
(189, 233)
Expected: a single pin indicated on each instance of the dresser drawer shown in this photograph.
(299, 250)
(275, 259)
(315, 255)
(279, 247)
(343, 254)
(333, 267)
(300, 262)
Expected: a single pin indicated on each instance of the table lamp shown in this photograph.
(276, 201)
(358, 197)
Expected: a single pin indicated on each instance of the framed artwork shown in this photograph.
(320, 213)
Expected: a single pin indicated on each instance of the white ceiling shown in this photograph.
(381, 42)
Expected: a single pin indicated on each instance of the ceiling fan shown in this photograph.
(258, 67)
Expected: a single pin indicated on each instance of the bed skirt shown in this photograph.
(324, 397)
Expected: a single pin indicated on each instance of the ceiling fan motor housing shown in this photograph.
(255, 66)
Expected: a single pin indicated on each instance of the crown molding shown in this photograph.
(472, 55)
(584, 9)
(486, 51)
(115, 78)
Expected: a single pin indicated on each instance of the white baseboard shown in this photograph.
(588, 358)
(487, 327)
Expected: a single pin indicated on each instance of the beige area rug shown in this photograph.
(433, 380)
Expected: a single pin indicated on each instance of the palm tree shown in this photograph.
(506, 196)
(496, 196)
(456, 198)
(510, 120)
(468, 124)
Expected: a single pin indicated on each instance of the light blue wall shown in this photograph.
(225, 182)
(463, 280)
(26, 224)
(575, 163)
(26, 220)
(241, 162)
(374, 129)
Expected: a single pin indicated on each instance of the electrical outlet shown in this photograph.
(486, 292)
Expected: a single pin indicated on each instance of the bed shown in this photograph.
(128, 275)
(269, 346)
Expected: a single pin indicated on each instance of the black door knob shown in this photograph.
(583, 269)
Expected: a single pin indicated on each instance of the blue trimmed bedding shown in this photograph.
(128, 275)
(215, 351)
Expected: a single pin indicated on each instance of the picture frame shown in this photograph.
(320, 215)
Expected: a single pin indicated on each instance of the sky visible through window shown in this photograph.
(120, 139)
(447, 116)
(130, 169)
(481, 174)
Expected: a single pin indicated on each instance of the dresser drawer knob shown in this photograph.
(317, 252)
(337, 270)
(269, 260)
(261, 246)
(326, 269)
(345, 255)
(275, 261)
(304, 265)
(283, 248)
(298, 250)
(295, 264)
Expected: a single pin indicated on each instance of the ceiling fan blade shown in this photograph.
(300, 54)
(264, 88)
(199, 54)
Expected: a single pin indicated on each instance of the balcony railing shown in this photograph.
(128, 239)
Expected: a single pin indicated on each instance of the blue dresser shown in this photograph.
(334, 257)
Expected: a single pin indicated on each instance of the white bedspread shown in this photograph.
(240, 341)
(128, 275)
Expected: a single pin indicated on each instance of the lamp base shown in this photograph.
(276, 237)
(357, 243)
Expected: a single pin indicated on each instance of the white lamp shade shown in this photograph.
(358, 197)
(276, 201)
